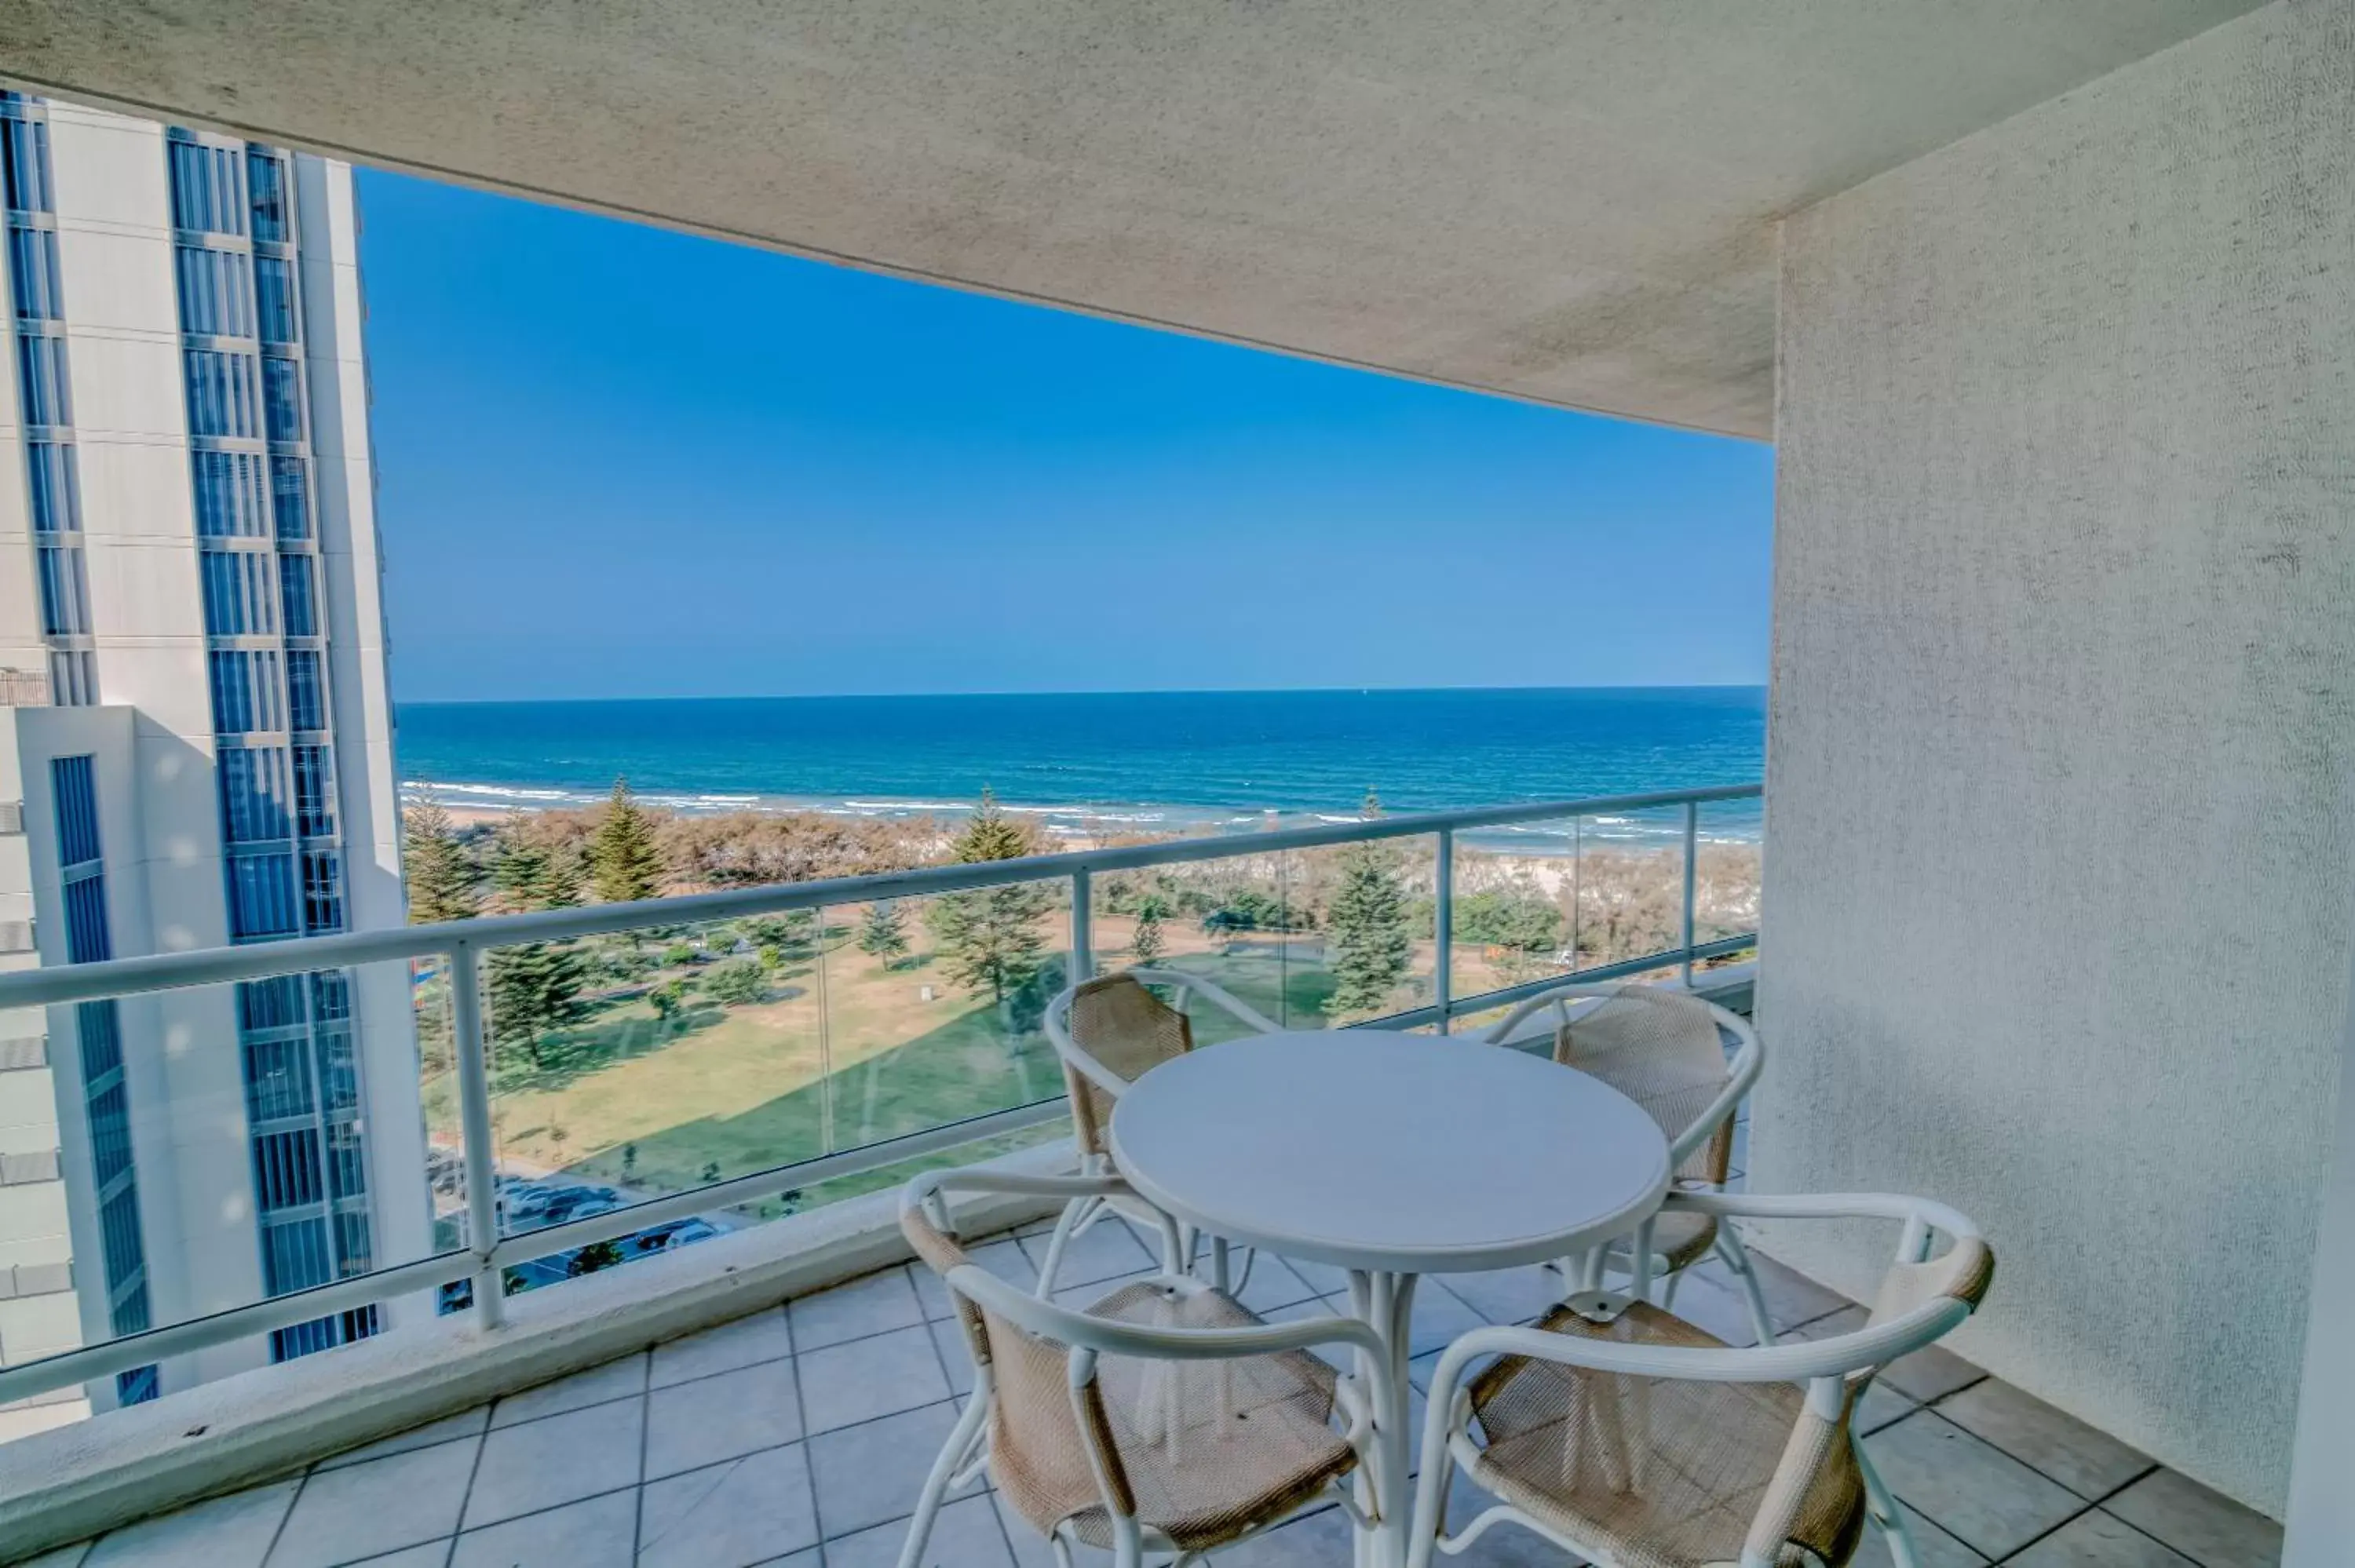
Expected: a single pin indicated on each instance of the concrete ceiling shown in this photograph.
(1570, 202)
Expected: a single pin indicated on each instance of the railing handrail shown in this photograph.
(485, 1254)
(211, 966)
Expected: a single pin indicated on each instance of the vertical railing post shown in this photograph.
(1083, 927)
(824, 1043)
(474, 1121)
(1692, 841)
(1443, 918)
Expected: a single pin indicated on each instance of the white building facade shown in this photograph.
(198, 731)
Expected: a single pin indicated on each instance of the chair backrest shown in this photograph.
(1124, 1030)
(1037, 1451)
(1663, 1050)
(1818, 1464)
(1056, 1439)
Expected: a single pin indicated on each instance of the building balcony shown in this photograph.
(800, 1433)
(657, 1355)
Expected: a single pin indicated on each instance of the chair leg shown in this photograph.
(1074, 1215)
(936, 1484)
(1737, 1258)
(1883, 1511)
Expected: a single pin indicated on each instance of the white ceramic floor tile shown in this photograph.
(2213, 1531)
(956, 1354)
(232, 1531)
(964, 1535)
(465, 1423)
(1273, 1284)
(870, 1473)
(2095, 1539)
(759, 1337)
(432, 1554)
(1005, 1259)
(1933, 1547)
(1107, 1251)
(874, 1304)
(598, 1532)
(2090, 1463)
(1508, 1295)
(732, 1515)
(1983, 1497)
(558, 1459)
(372, 1509)
(1031, 1548)
(929, 1291)
(692, 1424)
(616, 1379)
(869, 1378)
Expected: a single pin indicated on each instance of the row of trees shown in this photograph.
(993, 942)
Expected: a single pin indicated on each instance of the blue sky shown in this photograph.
(616, 461)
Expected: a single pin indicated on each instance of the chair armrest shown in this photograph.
(971, 1179)
(1105, 1336)
(1830, 1206)
(923, 1192)
(1832, 1356)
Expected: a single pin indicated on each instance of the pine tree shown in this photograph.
(436, 867)
(1147, 943)
(989, 937)
(536, 988)
(884, 934)
(1366, 928)
(624, 865)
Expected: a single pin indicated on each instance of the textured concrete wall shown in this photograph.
(2057, 912)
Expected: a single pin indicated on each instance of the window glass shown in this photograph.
(315, 790)
(261, 895)
(281, 394)
(253, 786)
(65, 595)
(33, 269)
(306, 692)
(216, 291)
(297, 593)
(290, 495)
(265, 174)
(228, 495)
(41, 380)
(25, 164)
(273, 286)
(207, 194)
(237, 590)
(223, 395)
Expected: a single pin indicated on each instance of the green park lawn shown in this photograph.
(723, 1092)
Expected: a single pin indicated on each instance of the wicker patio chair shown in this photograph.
(1632, 1439)
(1109, 1032)
(1166, 1418)
(1666, 1050)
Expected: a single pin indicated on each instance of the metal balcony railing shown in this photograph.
(460, 946)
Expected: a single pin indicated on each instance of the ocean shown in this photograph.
(1090, 763)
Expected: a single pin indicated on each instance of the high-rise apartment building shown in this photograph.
(196, 747)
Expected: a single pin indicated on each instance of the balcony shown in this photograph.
(808, 1428)
(769, 1429)
(2046, 310)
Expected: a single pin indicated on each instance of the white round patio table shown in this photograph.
(1391, 1155)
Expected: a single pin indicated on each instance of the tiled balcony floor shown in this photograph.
(799, 1435)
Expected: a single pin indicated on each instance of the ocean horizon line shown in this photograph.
(1077, 692)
